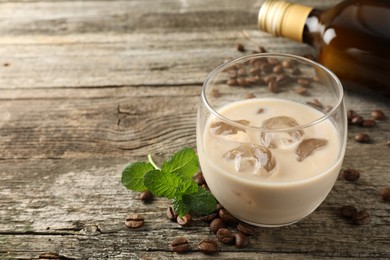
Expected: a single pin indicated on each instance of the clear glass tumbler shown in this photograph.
(271, 136)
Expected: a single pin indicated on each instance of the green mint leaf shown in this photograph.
(161, 183)
(133, 175)
(201, 202)
(187, 187)
(184, 163)
(180, 207)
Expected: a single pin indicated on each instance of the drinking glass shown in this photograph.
(271, 136)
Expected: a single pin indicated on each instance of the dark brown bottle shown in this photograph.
(352, 38)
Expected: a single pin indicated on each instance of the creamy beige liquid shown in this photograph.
(293, 189)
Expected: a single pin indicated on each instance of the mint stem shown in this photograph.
(152, 162)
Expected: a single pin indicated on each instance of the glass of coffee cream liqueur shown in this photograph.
(271, 136)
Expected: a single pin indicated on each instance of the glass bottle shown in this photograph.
(352, 38)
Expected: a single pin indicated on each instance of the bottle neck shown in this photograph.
(284, 19)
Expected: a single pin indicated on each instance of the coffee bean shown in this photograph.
(378, 114)
(388, 143)
(253, 80)
(315, 103)
(260, 110)
(303, 82)
(146, 196)
(242, 82)
(134, 221)
(386, 194)
(255, 71)
(171, 214)
(348, 211)
(180, 245)
(249, 96)
(357, 120)
(215, 93)
(296, 71)
(361, 218)
(209, 218)
(272, 61)
(199, 179)
(266, 68)
(232, 82)
(216, 224)
(261, 49)
(225, 236)
(208, 246)
(301, 90)
(232, 73)
(283, 79)
(288, 63)
(368, 123)
(316, 79)
(273, 86)
(240, 47)
(246, 229)
(351, 114)
(351, 174)
(241, 72)
(278, 69)
(227, 218)
(362, 138)
(185, 220)
(241, 240)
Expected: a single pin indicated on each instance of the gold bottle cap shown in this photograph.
(283, 18)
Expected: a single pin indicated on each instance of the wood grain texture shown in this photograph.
(88, 86)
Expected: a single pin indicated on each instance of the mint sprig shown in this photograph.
(173, 181)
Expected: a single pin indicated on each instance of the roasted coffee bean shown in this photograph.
(261, 49)
(316, 79)
(246, 229)
(351, 174)
(386, 194)
(273, 86)
(146, 196)
(241, 72)
(199, 179)
(303, 82)
(180, 245)
(388, 143)
(215, 93)
(255, 71)
(266, 68)
(283, 79)
(368, 123)
(327, 108)
(185, 220)
(232, 73)
(288, 64)
(357, 120)
(209, 218)
(242, 82)
(253, 80)
(171, 214)
(278, 69)
(348, 211)
(227, 218)
(232, 82)
(361, 218)
(249, 96)
(260, 110)
(240, 47)
(351, 114)
(219, 206)
(315, 103)
(273, 61)
(134, 221)
(216, 224)
(378, 114)
(208, 246)
(362, 138)
(241, 240)
(225, 236)
(296, 71)
(301, 90)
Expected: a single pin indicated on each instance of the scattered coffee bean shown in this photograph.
(278, 69)
(146, 196)
(348, 211)
(180, 245)
(288, 64)
(261, 49)
(351, 174)
(246, 229)
(303, 82)
(215, 93)
(227, 218)
(260, 110)
(241, 72)
(388, 143)
(273, 86)
(184, 221)
(219, 206)
(134, 221)
(242, 82)
(208, 246)
(199, 179)
(351, 114)
(357, 120)
(266, 68)
(361, 218)
(283, 79)
(253, 80)
(368, 123)
(255, 71)
(316, 79)
(296, 71)
(327, 108)
(315, 103)
(241, 240)
(301, 90)
(249, 96)
(362, 138)
(210, 217)
(216, 224)
(240, 47)
(232, 73)
(378, 114)
(273, 61)
(225, 236)
(386, 194)
(171, 214)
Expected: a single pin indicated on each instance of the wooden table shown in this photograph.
(88, 86)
